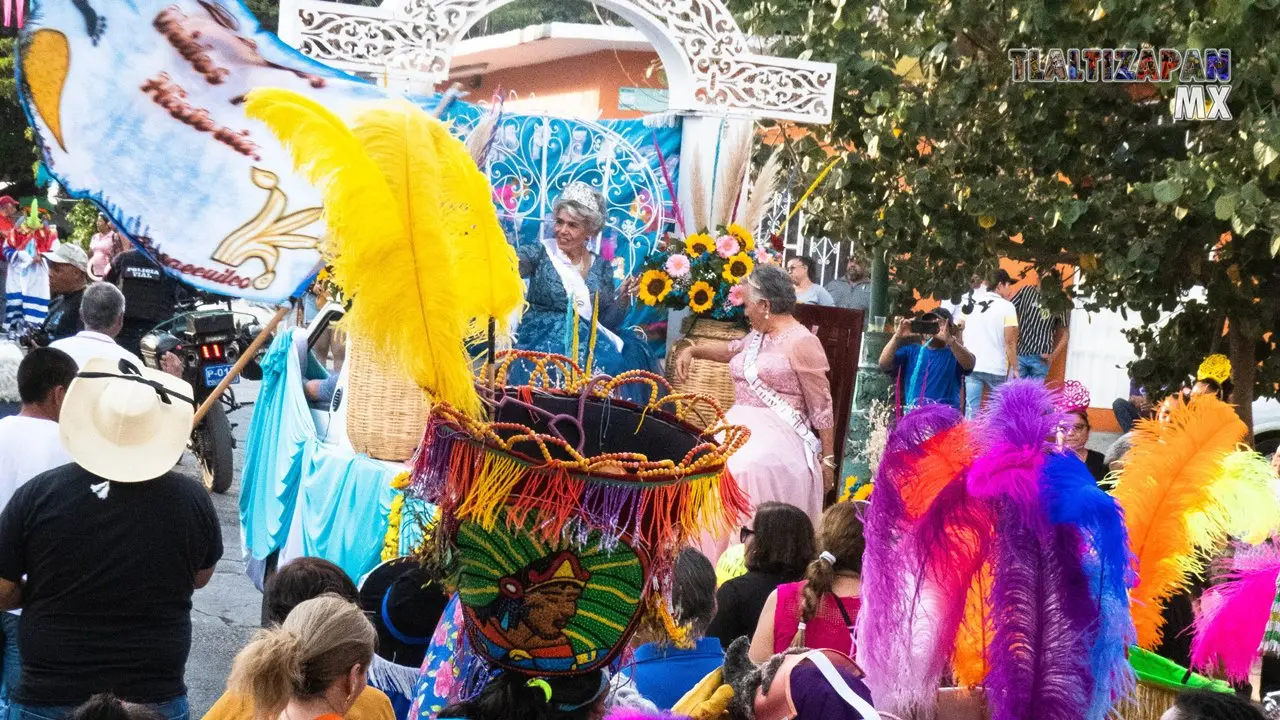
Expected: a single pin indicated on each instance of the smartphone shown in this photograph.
(924, 327)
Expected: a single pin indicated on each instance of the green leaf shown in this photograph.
(1240, 226)
(1264, 154)
(1225, 206)
(1252, 194)
(1275, 245)
(1179, 212)
(1167, 191)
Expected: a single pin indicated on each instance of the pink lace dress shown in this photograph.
(773, 465)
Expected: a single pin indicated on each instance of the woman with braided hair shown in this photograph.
(820, 611)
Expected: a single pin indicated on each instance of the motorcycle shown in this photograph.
(208, 338)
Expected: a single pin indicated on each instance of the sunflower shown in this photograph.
(698, 244)
(701, 296)
(738, 267)
(654, 287)
(744, 237)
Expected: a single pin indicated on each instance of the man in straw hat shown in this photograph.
(111, 547)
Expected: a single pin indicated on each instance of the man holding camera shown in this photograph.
(931, 370)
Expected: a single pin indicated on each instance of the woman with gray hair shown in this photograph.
(781, 394)
(566, 276)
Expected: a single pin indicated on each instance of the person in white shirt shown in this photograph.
(102, 311)
(990, 327)
(30, 445)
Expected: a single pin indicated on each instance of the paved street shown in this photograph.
(227, 611)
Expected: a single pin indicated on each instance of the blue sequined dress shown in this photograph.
(546, 325)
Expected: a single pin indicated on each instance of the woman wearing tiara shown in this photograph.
(567, 280)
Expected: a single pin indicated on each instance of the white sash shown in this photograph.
(837, 683)
(783, 408)
(576, 287)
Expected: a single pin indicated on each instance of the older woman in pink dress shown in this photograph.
(782, 395)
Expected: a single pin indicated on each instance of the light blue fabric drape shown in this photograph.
(280, 427)
(341, 499)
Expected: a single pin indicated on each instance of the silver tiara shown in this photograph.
(584, 195)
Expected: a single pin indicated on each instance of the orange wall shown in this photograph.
(574, 86)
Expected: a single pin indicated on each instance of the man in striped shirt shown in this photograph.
(1042, 334)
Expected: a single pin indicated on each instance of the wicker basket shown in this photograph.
(1148, 703)
(386, 412)
(707, 377)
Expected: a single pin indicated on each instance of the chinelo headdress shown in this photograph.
(563, 511)
(1216, 367)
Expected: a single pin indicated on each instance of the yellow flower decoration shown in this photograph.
(701, 296)
(744, 237)
(986, 222)
(654, 287)
(698, 244)
(738, 267)
(1216, 367)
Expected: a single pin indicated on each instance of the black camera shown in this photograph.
(927, 324)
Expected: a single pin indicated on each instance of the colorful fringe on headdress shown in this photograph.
(471, 469)
(1169, 491)
(1234, 614)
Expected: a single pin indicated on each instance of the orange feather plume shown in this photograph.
(941, 458)
(1167, 492)
(971, 659)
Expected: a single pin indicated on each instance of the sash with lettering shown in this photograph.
(783, 408)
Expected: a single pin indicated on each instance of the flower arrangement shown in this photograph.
(703, 272)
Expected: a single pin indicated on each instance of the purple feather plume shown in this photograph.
(1021, 413)
(1040, 652)
(896, 634)
(1015, 426)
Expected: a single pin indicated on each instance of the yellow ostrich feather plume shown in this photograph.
(1246, 505)
(380, 185)
(493, 289)
(1171, 506)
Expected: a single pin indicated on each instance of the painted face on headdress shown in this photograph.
(544, 608)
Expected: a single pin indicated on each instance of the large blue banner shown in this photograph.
(138, 106)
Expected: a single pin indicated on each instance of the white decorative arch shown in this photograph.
(710, 67)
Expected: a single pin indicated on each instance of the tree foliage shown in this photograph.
(17, 153)
(950, 165)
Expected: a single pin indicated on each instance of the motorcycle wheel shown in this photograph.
(213, 449)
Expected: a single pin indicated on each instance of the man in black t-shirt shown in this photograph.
(111, 547)
(149, 296)
(68, 278)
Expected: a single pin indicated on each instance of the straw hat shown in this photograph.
(126, 423)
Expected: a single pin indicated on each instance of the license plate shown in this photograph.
(213, 375)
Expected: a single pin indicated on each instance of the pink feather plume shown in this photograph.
(1233, 614)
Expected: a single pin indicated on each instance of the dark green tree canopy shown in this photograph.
(953, 165)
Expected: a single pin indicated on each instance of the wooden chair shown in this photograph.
(840, 332)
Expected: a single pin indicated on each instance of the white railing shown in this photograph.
(830, 255)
